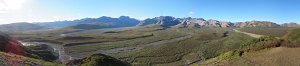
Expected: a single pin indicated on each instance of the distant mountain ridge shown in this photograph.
(292, 24)
(126, 21)
(200, 22)
(20, 27)
(102, 22)
(107, 22)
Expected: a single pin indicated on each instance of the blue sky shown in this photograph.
(278, 11)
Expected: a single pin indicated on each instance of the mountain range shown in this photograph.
(20, 27)
(126, 21)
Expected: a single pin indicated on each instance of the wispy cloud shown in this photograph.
(191, 13)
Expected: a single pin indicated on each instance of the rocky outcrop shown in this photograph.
(227, 24)
(200, 22)
(191, 22)
(165, 21)
(214, 23)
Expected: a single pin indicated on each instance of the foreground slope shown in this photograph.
(13, 53)
(8, 59)
(279, 56)
(285, 55)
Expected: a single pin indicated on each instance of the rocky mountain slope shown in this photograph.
(125, 21)
(164, 21)
(285, 54)
(168, 21)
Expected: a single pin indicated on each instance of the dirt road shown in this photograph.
(250, 34)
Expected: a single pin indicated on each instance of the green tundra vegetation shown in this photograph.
(98, 59)
(292, 38)
(205, 43)
(155, 36)
(294, 35)
(12, 59)
(258, 51)
(278, 31)
(206, 46)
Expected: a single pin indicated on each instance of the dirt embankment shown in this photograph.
(250, 34)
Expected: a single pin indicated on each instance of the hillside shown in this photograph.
(13, 53)
(269, 57)
(101, 22)
(98, 59)
(21, 27)
(8, 59)
(286, 54)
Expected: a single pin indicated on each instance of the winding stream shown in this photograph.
(58, 49)
(129, 48)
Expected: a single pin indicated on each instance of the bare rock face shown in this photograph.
(165, 21)
(240, 24)
(191, 22)
(148, 21)
(226, 24)
(203, 23)
(200, 22)
(214, 23)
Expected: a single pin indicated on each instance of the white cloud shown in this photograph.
(191, 13)
(8, 5)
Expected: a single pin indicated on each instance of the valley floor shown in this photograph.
(157, 46)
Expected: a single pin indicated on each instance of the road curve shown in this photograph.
(250, 34)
